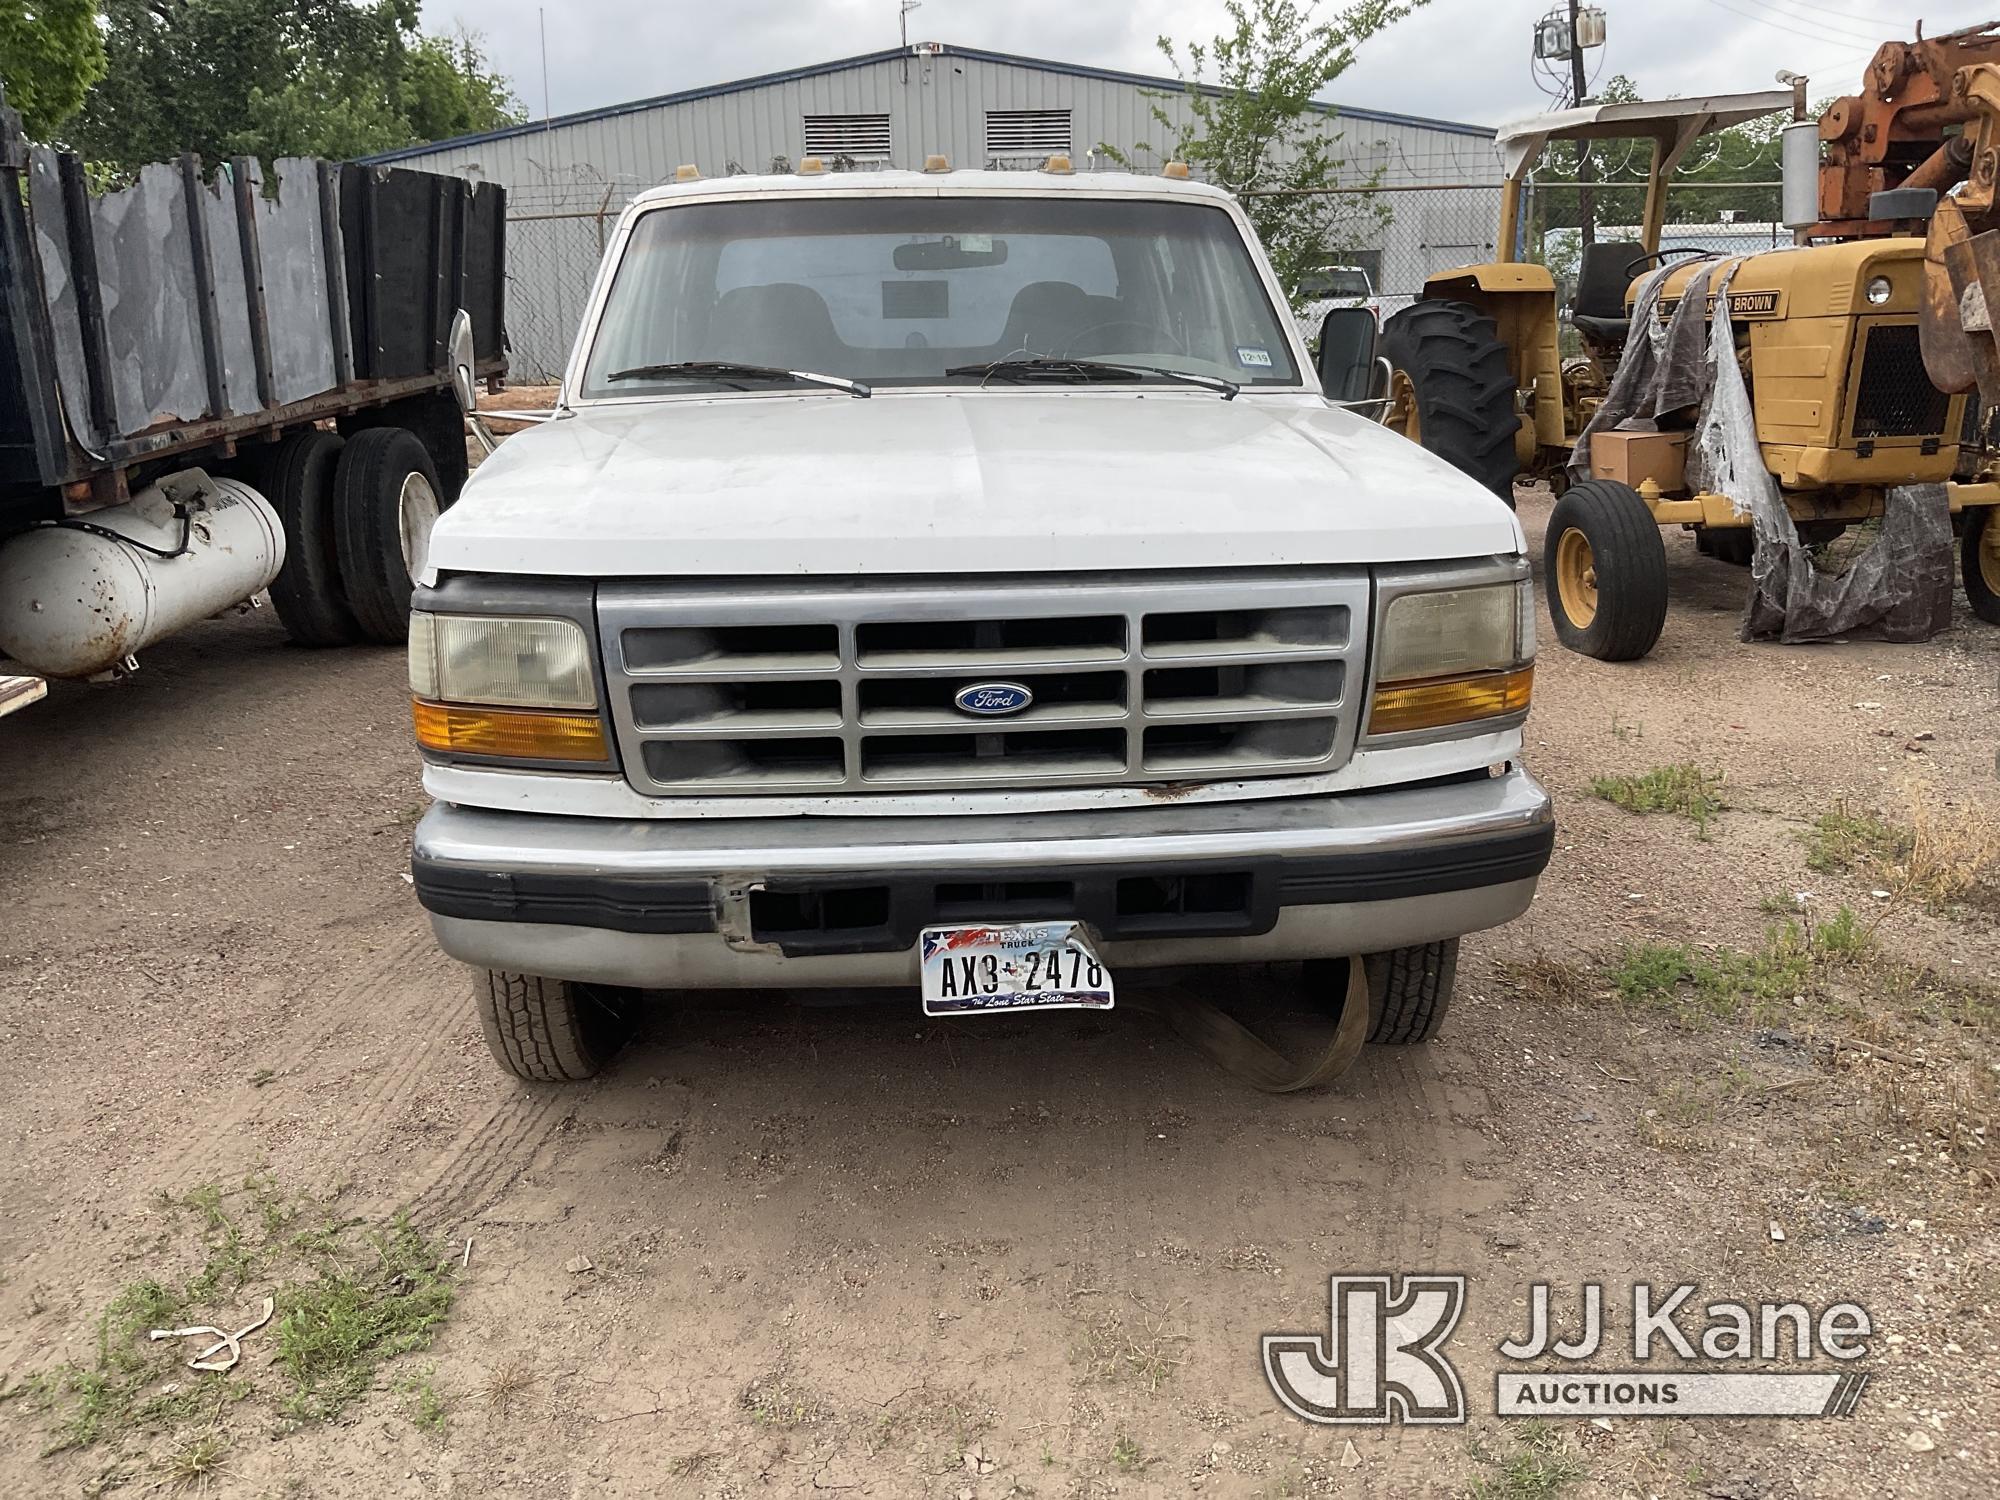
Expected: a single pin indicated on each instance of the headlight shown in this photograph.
(1450, 656)
(523, 663)
(1879, 291)
(495, 685)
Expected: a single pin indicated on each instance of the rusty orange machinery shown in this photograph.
(1894, 133)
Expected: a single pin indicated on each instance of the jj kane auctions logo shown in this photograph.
(1382, 1356)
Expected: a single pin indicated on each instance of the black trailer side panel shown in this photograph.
(181, 315)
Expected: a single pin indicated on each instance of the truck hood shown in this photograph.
(960, 483)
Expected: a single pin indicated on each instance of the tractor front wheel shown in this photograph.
(1979, 557)
(1452, 391)
(1606, 571)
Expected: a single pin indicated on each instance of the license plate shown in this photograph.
(1020, 966)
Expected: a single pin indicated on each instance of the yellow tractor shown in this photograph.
(1826, 336)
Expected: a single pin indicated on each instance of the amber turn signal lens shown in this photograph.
(522, 734)
(1432, 702)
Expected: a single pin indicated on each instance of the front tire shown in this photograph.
(1452, 389)
(551, 1030)
(1409, 989)
(1979, 561)
(1605, 569)
(386, 501)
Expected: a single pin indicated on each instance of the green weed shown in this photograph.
(1686, 790)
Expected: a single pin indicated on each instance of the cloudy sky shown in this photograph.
(1457, 59)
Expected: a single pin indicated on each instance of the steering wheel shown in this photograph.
(1632, 267)
(1139, 323)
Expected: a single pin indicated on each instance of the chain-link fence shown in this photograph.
(557, 231)
(556, 234)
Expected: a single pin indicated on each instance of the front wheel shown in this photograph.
(1606, 571)
(1979, 560)
(551, 1030)
(1409, 989)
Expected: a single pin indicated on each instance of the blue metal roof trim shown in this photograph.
(866, 59)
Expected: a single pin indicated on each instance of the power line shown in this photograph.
(1816, 15)
(1811, 36)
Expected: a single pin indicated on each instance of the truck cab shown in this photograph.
(959, 581)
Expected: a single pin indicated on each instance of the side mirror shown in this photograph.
(460, 350)
(1350, 370)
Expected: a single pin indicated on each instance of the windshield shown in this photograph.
(1335, 283)
(896, 291)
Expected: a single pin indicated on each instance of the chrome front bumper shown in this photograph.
(752, 903)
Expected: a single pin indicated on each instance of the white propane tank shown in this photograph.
(75, 602)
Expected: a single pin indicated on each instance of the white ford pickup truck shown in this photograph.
(960, 581)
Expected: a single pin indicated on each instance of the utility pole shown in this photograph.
(1585, 173)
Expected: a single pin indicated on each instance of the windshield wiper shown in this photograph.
(1091, 369)
(724, 371)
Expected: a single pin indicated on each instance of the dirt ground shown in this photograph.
(789, 1249)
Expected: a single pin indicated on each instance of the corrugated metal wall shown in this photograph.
(566, 181)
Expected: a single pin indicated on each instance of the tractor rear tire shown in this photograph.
(307, 593)
(551, 1030)
(1735, 545)
(1456, 367)
(1605, 569)
(1979, 561)
(385, 502)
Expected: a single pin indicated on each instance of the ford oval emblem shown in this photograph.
(991, 699)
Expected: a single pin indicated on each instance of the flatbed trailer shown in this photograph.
(213, 384)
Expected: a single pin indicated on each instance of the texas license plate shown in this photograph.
(1020, 966)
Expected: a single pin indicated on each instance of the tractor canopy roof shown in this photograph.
(1674, 123)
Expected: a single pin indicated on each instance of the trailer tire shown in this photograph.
(1452, 390)
(1605, 571)
(307, 593)
(386, 500)
(551, 1030)
(1979, 561)
(1409, 989)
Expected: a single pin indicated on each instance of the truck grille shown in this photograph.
(851, 687)
(1894, 397)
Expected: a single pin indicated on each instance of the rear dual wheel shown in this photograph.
(357, 514)
(386, 501)
(1606, 571)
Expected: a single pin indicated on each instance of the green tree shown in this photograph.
(306, 77)
(50, 53)
(1250, 123)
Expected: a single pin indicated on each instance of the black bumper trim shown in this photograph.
(652, 906)
(640, 905)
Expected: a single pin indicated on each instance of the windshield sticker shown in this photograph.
(1253, 356)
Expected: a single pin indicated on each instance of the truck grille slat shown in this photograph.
(766, 688)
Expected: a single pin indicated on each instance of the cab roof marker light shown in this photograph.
(1058, 164)
(811, 166)
(1178, 170)
(937, 163)
(687, 171)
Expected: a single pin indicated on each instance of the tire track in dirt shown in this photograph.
(315, 1042)
(488, 1157)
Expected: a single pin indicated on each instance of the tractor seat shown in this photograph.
(1601, 279)
(1603, 330)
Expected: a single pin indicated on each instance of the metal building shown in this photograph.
(568, 177)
